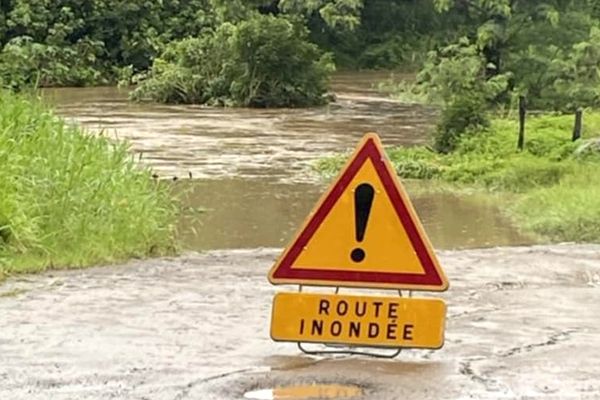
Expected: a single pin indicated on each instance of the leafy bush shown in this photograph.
(265, 61)
(184, 73)
(388, 34)
(403, 90)
(330, 166)
(394, 51)
(550, 49)
(76, 42)
(557, 77)
(456, 78)
(27, 63)
(415, 163)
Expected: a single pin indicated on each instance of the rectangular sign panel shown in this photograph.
(359, 320)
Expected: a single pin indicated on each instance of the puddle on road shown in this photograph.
(302, 392)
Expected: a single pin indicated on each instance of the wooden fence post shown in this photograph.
(522, 112)
(577, 126)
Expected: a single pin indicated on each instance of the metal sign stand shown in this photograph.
(351, 350)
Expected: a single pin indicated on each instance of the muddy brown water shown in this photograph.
(251, 168)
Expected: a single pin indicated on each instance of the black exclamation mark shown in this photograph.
(363, 199)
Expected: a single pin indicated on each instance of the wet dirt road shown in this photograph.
(523, 323)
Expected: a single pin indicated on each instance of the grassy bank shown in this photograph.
(556, 181)
(70, 199)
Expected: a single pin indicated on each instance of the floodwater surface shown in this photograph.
(216, 142)
(251, 168)
(240, 213)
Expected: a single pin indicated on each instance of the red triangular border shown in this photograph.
(431, 278)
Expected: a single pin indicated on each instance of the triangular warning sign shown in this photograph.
(363, 233)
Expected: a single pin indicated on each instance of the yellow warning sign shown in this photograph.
(364, 232)
(359, 320)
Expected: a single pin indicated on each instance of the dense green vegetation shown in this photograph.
(482, 53)
(84, 42)
(554, 181)
(389, 34)
(71, 199)
(547, 51)
(264, 61)
(249, 53)
(474, 59)
(72, 42)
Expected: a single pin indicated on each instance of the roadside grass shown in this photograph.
(71, 199)
(554, 183)
(568, 211)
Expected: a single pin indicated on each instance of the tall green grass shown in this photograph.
(556, 181)
(568, 211)
(72, 199)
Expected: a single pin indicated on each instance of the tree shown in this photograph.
(262, 61)
(540, 44)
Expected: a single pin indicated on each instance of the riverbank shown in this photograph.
(551, 185)
(71, 199)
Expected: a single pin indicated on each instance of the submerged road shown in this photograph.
(523, 323)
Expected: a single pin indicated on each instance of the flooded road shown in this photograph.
(252, 168)
(242, 213)
(522, 324)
